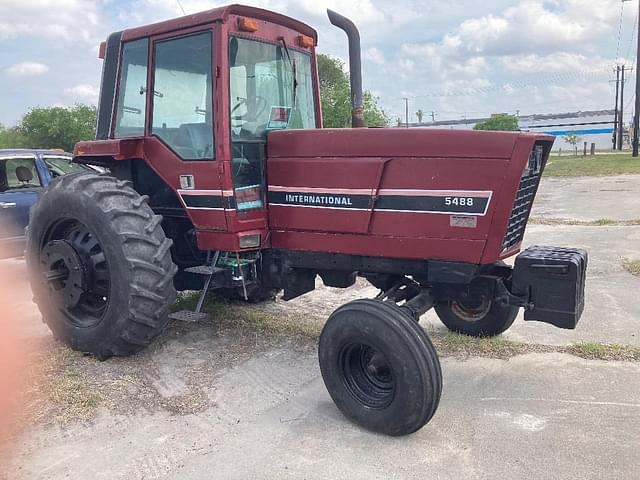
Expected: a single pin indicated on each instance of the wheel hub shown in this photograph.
(75, 272)
(367, 375)
(63, 271)
(472, 310)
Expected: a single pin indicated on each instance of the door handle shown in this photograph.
(7, 205)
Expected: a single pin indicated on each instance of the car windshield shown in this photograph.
(62, 165)
(271, 87)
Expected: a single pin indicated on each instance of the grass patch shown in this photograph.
(456, 344)
(597, 165)
(249, 319)
(601, 222)
(603, 351)
(632, 266)
(56, 391)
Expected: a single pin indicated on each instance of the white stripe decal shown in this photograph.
(378, 210)
(347, 191)
(385, 191)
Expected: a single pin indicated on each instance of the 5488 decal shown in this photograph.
(459, 201)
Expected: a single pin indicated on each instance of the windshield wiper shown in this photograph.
(294, 72)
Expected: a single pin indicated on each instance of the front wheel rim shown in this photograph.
(367, 375)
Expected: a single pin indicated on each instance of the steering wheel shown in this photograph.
(261, 106)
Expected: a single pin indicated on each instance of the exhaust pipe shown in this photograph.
(355, 66)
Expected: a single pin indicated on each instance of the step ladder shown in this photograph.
(209, 270)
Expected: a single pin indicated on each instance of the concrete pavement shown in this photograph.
(537, 416)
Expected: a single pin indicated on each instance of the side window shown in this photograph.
(132, 97)
(182, 105)
(19, 173)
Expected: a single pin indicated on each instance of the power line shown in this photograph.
(541, 81)
(181, 7)
(619, 30)
(633, 37)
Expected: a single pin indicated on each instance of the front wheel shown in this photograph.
(380, 367)
(479, 317)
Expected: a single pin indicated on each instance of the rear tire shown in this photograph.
(482, 318)
(100, 265)
(380, 367)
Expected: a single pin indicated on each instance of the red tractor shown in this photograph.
(222, 177)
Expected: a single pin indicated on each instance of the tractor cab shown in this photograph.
(195, 99)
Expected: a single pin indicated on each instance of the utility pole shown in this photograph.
(406, 111)
(621, 114)
(636, 114)
(615, 122)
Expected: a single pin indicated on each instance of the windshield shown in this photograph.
(271, 88)
(62, 165)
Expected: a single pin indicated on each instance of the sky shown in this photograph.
(459, 59)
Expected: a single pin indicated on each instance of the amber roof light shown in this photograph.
(305, 41)
(247, 24)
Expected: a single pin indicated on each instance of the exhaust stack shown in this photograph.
(355, 66)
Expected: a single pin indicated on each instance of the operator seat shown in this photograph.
(24, 175)
(199, 137)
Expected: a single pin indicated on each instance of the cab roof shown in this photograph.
(220, 14)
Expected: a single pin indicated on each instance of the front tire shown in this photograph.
(478, 317)
(100, 265)
(380, 367)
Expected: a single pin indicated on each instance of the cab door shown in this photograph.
(171, 103)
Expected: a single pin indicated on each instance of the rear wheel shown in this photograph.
(479, 317)
(100, 265)
(380, 367)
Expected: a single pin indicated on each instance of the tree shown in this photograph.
(573, 139)
(11, 137)
(335, 94)
(501, 122)
(58, 127)
(419, 114)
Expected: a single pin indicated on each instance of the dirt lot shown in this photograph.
(240, 396)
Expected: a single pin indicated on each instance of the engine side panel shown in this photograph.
(419, 202)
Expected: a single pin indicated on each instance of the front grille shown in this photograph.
(522, 206)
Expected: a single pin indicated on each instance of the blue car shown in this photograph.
(23, 175)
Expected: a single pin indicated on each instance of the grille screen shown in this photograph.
(524, 200)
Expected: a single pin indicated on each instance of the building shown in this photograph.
(593, 127)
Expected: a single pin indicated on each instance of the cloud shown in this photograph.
(83, 92)
(374, 55)
(555, 62)
(27, 69)
(69, 20)
(532, 26)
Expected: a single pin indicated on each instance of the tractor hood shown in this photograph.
(394, 143)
